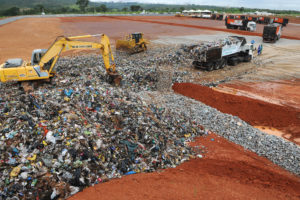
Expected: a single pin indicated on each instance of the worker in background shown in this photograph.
(259, 50)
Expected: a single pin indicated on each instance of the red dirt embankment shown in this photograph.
(226, 171)
(255, 112)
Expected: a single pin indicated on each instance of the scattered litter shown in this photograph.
(80, 130)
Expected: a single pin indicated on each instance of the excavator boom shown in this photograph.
(42, 68)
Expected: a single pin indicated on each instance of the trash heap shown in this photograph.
(80, 131)
(147, 64)
(199, 51)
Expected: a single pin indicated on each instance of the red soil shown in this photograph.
(253, 111)
(211, 25)
(116, 29)
(19, 38)
(113, 26)
(285, 91)
(227, 171)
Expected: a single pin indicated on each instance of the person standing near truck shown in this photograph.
(259, 50)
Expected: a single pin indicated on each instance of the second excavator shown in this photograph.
(43, 60)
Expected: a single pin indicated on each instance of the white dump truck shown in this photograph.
(216, 55)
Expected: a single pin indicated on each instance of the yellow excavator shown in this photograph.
(43, 60)
(132, 43)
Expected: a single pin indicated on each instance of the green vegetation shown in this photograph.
(82, 4)
(135, 8)
(9, 8)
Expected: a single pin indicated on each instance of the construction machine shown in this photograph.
(43, 61)
(251, 18)
(272, 32)
(179, 14)
(278, 20)
(263, 20)
(133, 43)
(216, 55)
(241, 24)
(217, 16)
(220, 17)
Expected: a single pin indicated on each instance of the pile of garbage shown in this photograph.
(149, 63)
(200, 51)
(80, 131)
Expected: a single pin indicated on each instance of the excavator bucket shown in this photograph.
(114, 78)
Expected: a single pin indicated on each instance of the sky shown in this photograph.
(268, 4)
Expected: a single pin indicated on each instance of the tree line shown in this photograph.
(84, 7)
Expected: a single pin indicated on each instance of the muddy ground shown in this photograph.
(226, 171)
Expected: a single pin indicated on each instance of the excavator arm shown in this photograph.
(62, 44)
(43, 61)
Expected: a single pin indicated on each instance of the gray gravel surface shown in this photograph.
(280, 151)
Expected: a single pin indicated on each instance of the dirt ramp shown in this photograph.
(255, 112)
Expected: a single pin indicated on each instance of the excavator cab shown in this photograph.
(37, 55)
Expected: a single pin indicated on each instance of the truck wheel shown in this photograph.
(233, 61)
(216, 65)
(222, 63)
(210, 66)
(195, 64)
(247, 58)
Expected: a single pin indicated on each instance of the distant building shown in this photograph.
(262, 13)
(197, 13)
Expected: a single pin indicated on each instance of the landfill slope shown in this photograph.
(79, 131)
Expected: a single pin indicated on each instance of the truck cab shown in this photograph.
(251, 26)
